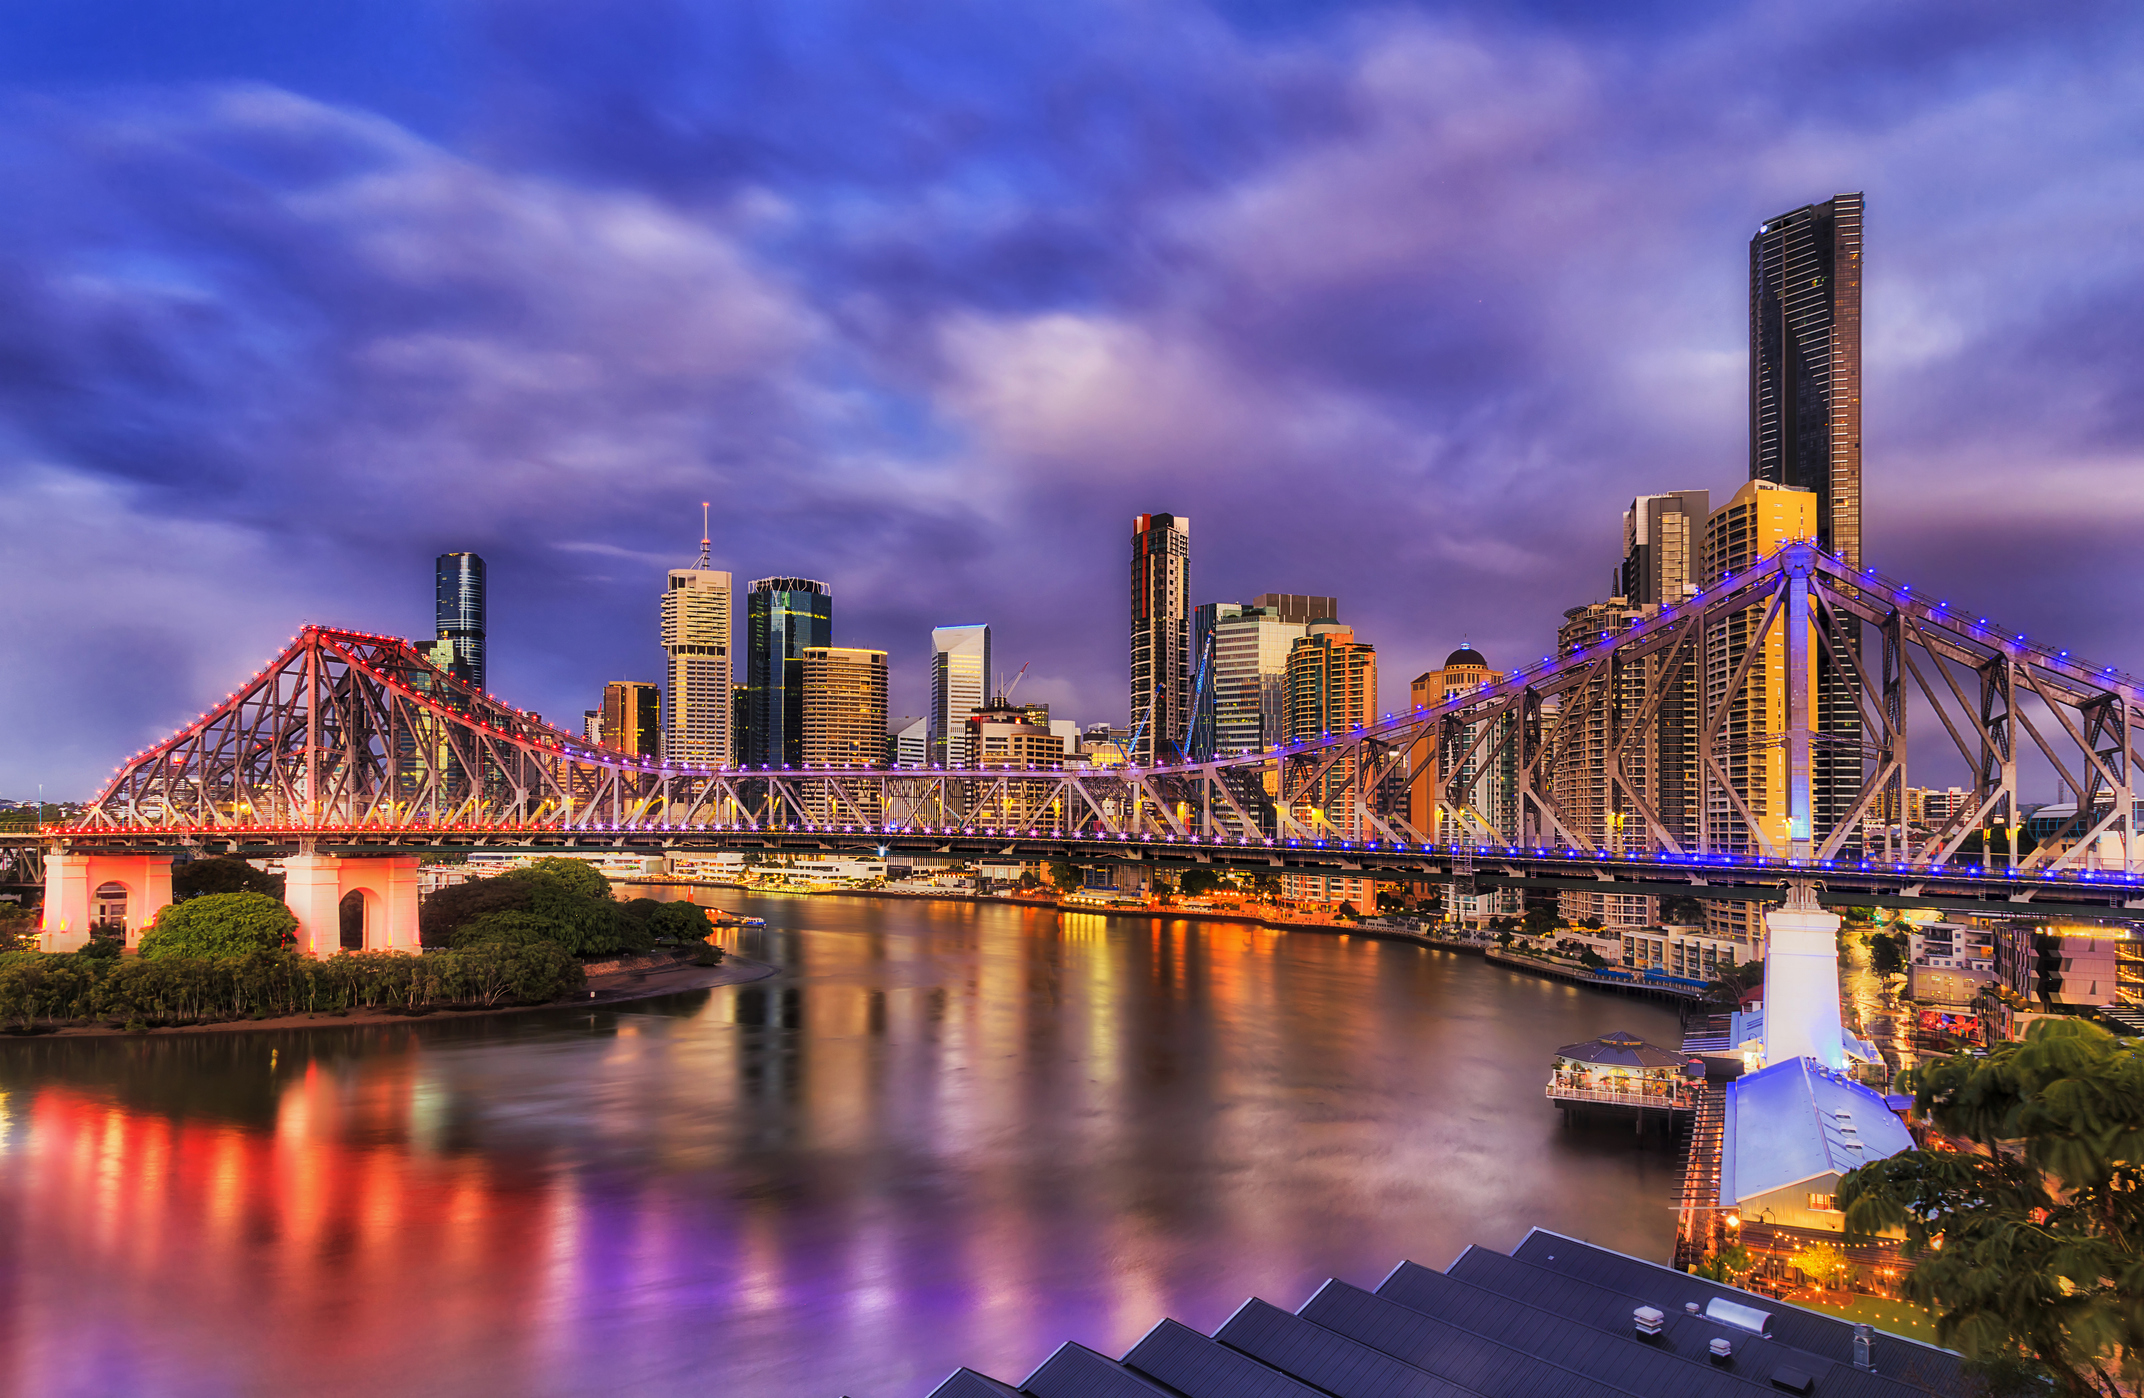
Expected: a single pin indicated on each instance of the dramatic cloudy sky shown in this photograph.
(1399, 303)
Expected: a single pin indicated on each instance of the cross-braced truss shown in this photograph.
(1766, 715)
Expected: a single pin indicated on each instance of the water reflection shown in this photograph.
(943, 1134)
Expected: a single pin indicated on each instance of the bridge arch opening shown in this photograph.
(108, 905)
(354, 917)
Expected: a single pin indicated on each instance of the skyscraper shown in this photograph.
(1161, 660)
(1243, 651)
(844, 706)
(458, 587)
(783, 618)
(697, 611)
(1805, 362)
(1805, 432)
(1331, 688)
(633, 718)
(960, 681)
(1296, 609)
(1661, 538)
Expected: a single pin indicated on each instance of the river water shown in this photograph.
(942, 1133)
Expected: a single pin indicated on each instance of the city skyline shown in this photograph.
(1360, 385)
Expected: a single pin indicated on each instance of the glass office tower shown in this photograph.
(784, 617)
(458, 584)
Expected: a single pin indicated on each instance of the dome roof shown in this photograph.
(1466, 655)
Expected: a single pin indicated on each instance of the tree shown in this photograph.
(510, 928)
(1265, 885)
(1822, 1263)
(1887, 952)
(1541, 920)
(1197, 883)
(1682, 911)
(1347, 910)
(2030, 1246)
(1733, 979)
(576, 876)
(1064, 875)
(18, 928)
(221, 925)
(197, 878)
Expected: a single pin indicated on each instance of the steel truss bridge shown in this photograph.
(1686, 755)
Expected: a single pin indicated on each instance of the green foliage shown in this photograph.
(199, 878)
(1683, 911)
(1591, 959)
(221, 924)
(576, 876)
(2030, 1250)
(1541, 920)
(36, 988)
(1197, 883)
(1266, 885)
(1064, 874)
(1346, 910)
(1887, 952)
(567, 898)
(1822, 1263)
(18, 927)
(509, 927)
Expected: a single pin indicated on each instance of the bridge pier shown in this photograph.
(1801, 982)
(82, 890)
(384, 916)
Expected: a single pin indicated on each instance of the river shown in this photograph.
(942, 1133)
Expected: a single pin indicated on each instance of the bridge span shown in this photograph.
(349, 754)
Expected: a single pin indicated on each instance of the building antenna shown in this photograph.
(706, 537)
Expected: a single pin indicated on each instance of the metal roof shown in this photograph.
(1623, 1050)
(1795, 1121)
(1553, 1319)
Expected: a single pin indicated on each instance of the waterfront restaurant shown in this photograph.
(1623, 1070)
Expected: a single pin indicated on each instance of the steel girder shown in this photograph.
(350, 731)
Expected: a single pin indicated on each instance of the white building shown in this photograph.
(696, 638)
(960, 681)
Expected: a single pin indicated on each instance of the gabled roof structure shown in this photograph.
(1797, 1121)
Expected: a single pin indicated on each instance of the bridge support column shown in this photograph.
(315, 886)
(1801, 983)
(67, 914)
(73, 904)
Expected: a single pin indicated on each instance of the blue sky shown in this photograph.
(1399, 303)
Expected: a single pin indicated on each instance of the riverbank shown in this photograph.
(640, 978)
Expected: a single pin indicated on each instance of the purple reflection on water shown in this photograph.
(943, 1134)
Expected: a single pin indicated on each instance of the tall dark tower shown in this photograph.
(458, 580)
(1161, 639)
(1805, 431)
(1805, 362)
(783, 618)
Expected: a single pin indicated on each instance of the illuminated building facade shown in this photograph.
(458, 610)
(960, 681)
(844, 706)
(784, 617)
(697, 619)
(1161, 662)
(633, 718)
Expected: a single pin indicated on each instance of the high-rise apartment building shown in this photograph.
(1161, 661)
(1330, 689)
(1485, 768)
(633, 718)
(844, 705)
(697, 625)
(784, 617)
(1661, 538)
(1805, 362)
(1758, 520)
(1242, 654)
(1593, 719)
(458, 609)
(1805, 431)
(960, 682)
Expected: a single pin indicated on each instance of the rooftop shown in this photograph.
(1796, 1121)
(1555, 1317)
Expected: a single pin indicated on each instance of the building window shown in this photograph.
(1824, 1203)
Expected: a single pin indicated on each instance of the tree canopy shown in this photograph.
(197, 878)
(565, 901)
(220, 925)
(2030, 1245)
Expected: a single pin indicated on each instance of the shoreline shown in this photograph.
(612, 988)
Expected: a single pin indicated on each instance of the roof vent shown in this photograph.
(1723, 1353)
(1647, 1319)
(1741, 1317)
(1792, 1380)
(1690, 1306)
(1864, 1336)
